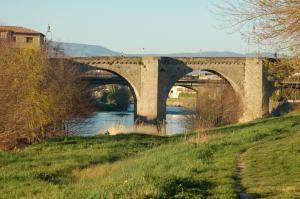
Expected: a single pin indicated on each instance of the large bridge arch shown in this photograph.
(235, 91)
(130, 84)
(126, 68)
(238, 90)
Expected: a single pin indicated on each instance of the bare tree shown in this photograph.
(22, 100)
(39, 96)
(276, 21)
(69, 96)
(216, 106)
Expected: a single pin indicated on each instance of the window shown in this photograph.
(3, 35)
(29, 39)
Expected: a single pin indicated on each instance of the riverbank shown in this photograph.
(197, 165)
(101, 106)
(187, 102)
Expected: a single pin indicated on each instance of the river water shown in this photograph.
(101, 122)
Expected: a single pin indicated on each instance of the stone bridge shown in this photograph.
(151, 79)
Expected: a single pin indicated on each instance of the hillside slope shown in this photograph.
(84, 50)
(261, 158)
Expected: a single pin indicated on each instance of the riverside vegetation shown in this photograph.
(196, 165)
(113, 98)
(38, 95)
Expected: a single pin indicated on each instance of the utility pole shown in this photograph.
(49, 32)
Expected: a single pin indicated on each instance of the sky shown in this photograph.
(128, 26)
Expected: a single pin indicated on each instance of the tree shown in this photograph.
(37, 95)
(70, 98)
(23, 102)
(220, 106)
(275, 21)
(120, 97)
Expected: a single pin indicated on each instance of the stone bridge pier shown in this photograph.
(158, 76)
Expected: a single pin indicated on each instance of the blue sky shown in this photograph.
(129, 26)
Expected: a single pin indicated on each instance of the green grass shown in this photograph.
(139, 166)
(274, 166)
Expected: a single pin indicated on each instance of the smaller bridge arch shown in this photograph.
(122, 80)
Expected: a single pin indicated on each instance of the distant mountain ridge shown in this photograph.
(85, 50)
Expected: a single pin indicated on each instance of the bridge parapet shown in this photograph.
(163, 60)
(209, 61)
(109, 60)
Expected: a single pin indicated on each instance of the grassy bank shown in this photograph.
(138, 166)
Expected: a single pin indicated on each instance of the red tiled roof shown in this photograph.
(17, 29)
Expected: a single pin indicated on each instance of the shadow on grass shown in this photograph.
(185, 188)
(105, 138)
(244, 195)
(52, 178)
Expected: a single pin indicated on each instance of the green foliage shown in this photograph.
(114, 97)
(139, 166)
(280, 71)
(105, 97)
(120, 98)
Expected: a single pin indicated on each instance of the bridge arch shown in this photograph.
(132, 87)
(237, 92)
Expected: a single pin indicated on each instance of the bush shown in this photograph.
(38, 95)
(120, 97)
(216, 106)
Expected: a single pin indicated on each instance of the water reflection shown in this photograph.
(101, 122)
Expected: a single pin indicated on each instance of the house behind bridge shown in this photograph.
(20, 37)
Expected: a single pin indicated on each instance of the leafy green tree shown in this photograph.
(120, 97)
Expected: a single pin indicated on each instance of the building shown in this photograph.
(176, 91)
(20, 37)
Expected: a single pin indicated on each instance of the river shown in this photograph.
(101, 122)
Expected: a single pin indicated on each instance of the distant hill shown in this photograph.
(207, 54)
(85, 50)
(219, 54)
